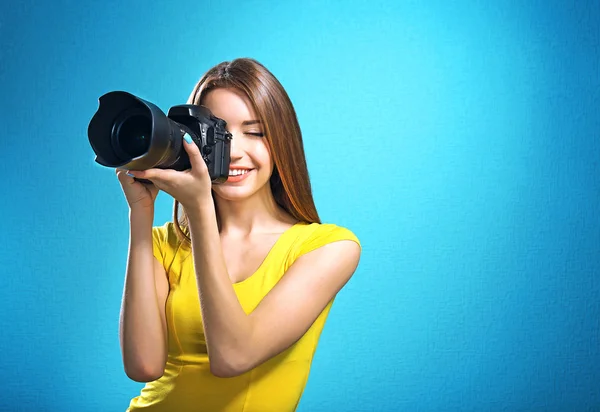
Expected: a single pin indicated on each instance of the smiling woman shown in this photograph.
(223, 307)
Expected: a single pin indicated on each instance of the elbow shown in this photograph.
(226, 372)
(144, 368)
(141, 374)
(229, 369)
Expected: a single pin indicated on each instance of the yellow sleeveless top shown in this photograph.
(187, 383)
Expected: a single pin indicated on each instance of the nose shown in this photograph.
(236, 149)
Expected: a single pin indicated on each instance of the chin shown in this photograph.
(233, 193)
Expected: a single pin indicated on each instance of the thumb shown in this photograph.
(193, 151)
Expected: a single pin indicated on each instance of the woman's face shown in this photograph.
(251, 165)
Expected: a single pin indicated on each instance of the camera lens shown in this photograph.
(133, 135)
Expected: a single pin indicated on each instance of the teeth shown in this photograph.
(237, 172)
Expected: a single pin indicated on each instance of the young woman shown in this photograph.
(223, 307)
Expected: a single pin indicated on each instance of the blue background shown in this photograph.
(460, 142)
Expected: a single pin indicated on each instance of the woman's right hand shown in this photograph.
(139, 195)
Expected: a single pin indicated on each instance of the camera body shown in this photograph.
(131, 133)
(210, 135)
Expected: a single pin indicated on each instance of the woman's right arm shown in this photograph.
(143, 326)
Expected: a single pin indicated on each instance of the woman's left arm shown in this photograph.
(226, 326)
(238, 342)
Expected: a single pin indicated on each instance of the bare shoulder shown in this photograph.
(330, 238)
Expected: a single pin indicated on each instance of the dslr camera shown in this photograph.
(131, 133)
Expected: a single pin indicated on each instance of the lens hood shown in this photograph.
(131, 133)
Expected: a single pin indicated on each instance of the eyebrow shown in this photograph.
(250, 122)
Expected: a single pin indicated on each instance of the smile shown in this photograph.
(237, 175)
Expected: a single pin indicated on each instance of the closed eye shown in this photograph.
(256, 134)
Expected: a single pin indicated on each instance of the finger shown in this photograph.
(156, 175)
(153, 189)
(123, 176)
(193, 152)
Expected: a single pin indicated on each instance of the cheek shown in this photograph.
(263, 154)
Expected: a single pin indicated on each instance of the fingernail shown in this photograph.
(187, 138)
(129, 174)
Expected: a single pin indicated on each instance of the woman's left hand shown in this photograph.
(191, 187)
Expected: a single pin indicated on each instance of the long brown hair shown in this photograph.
(290, 183)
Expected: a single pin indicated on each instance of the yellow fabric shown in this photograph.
(187, 384)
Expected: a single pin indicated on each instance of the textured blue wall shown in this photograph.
(459, 141)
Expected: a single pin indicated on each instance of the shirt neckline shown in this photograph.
(269, 254)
